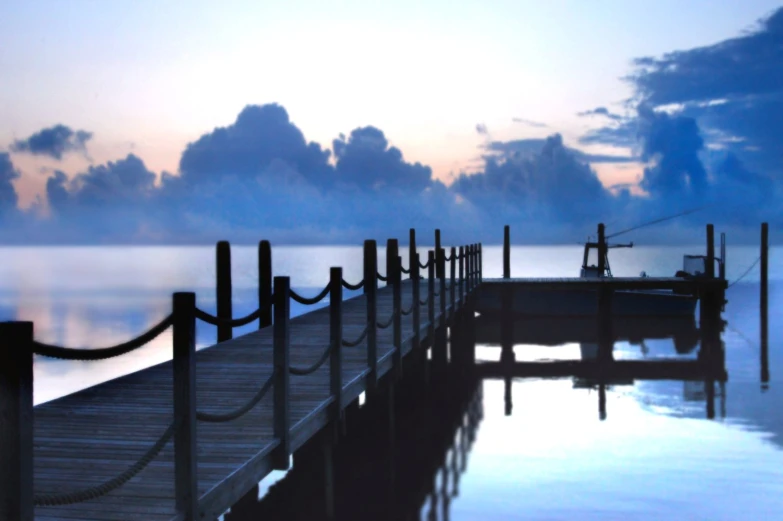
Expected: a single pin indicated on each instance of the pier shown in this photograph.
(188, 438)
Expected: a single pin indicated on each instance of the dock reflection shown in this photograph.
(400, 466)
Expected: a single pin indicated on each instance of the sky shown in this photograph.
(486, 111)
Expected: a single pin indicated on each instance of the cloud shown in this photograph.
(8, 173)
(53, 142)
(534, 179)
(259, 136)
(529, 122)
(601, 111)
(481, 129)
(526, 148)
(365, 160)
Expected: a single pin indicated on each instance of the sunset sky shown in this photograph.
(441, 80)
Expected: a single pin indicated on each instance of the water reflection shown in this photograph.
(386, 467)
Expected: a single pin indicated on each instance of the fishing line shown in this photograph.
(656, 221)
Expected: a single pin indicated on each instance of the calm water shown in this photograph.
(656, 456)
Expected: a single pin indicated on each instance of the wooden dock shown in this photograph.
(186, 439)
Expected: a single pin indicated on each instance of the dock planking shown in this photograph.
(91, 436)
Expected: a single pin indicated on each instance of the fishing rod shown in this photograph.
(656, 221)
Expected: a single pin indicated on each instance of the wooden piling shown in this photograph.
(480, 263)
(453, 277)
(184, 366)
(336, 339)
(265, 284)
(722, 265)
(281, 359)
(602, 401)
(442, 287)
(710, 267)
(763, 304)
(412, 258)
(223, 293)
(416, 282)
(371, 292)
(601, 249)
(506, 252)
(438, 272)
(16, 421)
(393, 278)
(461, 275)
(431, 295)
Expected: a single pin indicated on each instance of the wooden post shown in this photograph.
(336, 339)
(438, 272)
(431, 295)
(461, 276)
(480, 263)
(412, 252)
(184, 365)
(281, 360)
(601, 250)
(763, 302)
(416, 278)
(16, 421)
(710, 267)
(223, 270)
(265, 283)
(722, 273)
(605, 334)
(393, 279)
(602, 401)
(371, 293)
(442, 286)
(506, 252)
(453, 274)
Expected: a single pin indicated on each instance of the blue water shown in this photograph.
(656, 456)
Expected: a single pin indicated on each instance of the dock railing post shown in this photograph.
(416, 282)
(763, 303)
(223, 296)
(431, 295)
(336, 339)
(453, 275)
(371, 294)
(16, 421)
(601, 249)
(265, 284)
(722, 265)
(710, 268)
(438, 271)
(281, 352)
(393, 279)
(506, 252)
(461, 276)
(184, 365)
(442, 286)
(412, 259)
(480, 263)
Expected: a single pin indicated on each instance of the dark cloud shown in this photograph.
(601, 111)
(8, 173)
(366, 160)
(53, 142)
(535, 179)
(529, 122)
(481, 129)
(260, 136)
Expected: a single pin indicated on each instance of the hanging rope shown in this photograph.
(353, 287)
(656, 221)
(311, 300)
(746, 271)
(358, 340)
(311, 369)
(236, 322)
(222, 418)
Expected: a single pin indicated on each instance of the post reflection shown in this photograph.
(400, 466)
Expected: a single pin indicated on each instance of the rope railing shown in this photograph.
(384, 325)
(747, 271)
(235, 322)
(358, 340)
(381, 277)
(298, 371)
(311, 300)
(406, 271)
(70, 498)
(425, 265)
(352, 287)
(407, 312)
(424, 302)
(68, 353)
(241, 411)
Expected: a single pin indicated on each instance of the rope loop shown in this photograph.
(311, 300)
(358, 340)
(381, 277)
(384, 325)
(67, 353)
(235, 322)
(238, 413)
(312, 368)
(352, 287)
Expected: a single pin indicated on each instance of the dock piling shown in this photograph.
(431, 293)
(461, 275)
(16, 427)
(393, 279)
(438, 271)
(371, 292)
(336, 339)
(412, 259)
(223, 290)
(506, 252)
(453, 274)
(281, 386)
(184, 365)
(710, 267)
(265, 284)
